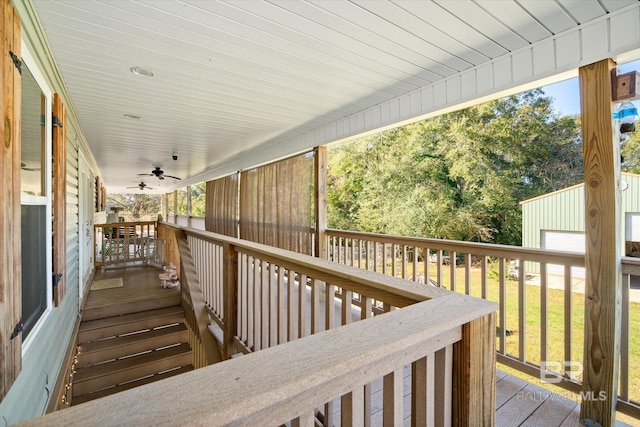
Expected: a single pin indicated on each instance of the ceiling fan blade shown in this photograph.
(146, 174)
(174, 177)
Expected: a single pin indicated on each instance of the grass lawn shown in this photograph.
(555, 323)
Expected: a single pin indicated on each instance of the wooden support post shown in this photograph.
(189, 212)
(321, 202)
(175, 206)
(603, 280)
(230, 284)
(474, 374)
(164, 210)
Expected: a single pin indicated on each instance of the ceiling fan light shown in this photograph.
(142, 72)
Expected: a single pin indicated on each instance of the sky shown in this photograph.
(566, 94)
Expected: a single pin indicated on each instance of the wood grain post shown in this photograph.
(175, 206)
(474, 374)
(321, 202)
(189, 211)
(230, 285)
(603, 282)
(164, 210)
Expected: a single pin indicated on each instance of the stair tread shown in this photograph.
(97, 346)
(90, 325)
(127, 386)
(130, 363)
(114, 308)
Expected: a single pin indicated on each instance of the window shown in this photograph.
(35, 198)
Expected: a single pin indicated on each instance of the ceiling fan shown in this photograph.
(158, 173)
(142, 186)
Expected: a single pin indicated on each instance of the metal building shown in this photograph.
(556, 220)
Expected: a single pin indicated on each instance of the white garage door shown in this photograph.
(568, 241)
(632, 227)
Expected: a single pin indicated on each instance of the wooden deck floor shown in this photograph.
(141, 287)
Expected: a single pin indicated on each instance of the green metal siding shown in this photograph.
(563, 210)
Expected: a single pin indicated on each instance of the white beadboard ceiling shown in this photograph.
(233, 77)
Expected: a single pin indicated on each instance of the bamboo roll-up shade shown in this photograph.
(221, 210)
(276, 204)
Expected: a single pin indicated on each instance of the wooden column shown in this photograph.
(474, 374)
(164, 206)
(189, 212)
(321, 202)
(175, 206)
(603, 282)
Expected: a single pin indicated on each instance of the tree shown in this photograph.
(136, 205)
(458, 176)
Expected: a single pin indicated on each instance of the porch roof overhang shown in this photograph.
(238, 84)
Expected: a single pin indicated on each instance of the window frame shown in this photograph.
(46, 200)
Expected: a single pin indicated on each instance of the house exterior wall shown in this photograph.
(42, 360)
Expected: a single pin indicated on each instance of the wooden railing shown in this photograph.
(124, 243)
(317, 363)
(540, 314)
(203, 344)
(260, 297)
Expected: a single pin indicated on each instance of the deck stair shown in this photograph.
(126, 348)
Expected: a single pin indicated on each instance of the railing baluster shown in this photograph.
(273, 305)
(347, 298)
(392, 396)
(302, 306)
(568, 314)
(452, 270)
(330, 306)
(403, 254)
(415, 264)
(467, 274)
(439, 268)
(522, 305)
(443, 383)
(264, 304)
(375, 257)
(315, 306)
(419, 391)
(544, 311)
(366, 306)
(352, 410)
(282, 307)
(291, 313)
(624, 339)
(393, 260)
(502, 303)
(242, 297)
(384, 258)
(483, 277)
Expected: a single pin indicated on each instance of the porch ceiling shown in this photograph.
(232, 76)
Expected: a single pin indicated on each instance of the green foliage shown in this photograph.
(631, 153)
(136, 205)
(458, 176)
